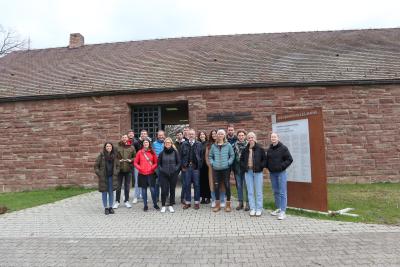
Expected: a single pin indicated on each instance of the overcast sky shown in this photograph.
(48, 23)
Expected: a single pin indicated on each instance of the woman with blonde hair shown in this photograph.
(278, 160)
(211, 140)
(252, 161)
(169, 164)
(221, 158)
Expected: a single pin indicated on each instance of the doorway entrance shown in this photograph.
(168, 117)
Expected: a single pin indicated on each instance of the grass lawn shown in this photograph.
(374, 203)
(27, 199)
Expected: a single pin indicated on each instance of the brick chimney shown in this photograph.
(76, 40)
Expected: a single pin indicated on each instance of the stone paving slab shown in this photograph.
(83, 217)
(360, 249)
(75, 232)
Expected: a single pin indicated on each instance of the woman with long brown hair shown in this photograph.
(204, 182)
(146, 164)
(211, 140)
(107, 169)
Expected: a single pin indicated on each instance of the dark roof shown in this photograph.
(328, 57)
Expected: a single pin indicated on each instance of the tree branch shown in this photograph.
(10, 41)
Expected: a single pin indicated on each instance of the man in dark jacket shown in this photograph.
(230, 135)
(278, 160)
(138, 143)
(131, 137)
(178, 144)
(191, 152)
(179, 140)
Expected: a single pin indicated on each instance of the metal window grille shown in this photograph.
(148, 118)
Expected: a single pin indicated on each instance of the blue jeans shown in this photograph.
(254, 182)
(241, 186)
(221, 196)
(109, 193)
(138, 190)
(279, 186)
(152, 192)
(192, 175)
(213, 195)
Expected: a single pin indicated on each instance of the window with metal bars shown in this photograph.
(148, 118)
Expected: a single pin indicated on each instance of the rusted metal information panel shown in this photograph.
(303, 133)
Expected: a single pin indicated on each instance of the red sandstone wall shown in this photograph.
(54, 142)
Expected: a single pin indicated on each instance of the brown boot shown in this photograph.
(217, 206)
(228, 206)
(240, 206)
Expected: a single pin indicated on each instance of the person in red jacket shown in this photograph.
(146, 164)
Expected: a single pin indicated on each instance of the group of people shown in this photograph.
(205, 161)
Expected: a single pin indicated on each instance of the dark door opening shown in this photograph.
(168, 117)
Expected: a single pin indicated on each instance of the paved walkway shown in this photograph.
(75, 232)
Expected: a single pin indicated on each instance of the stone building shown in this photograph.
(59, 105)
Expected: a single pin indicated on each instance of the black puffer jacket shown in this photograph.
(169, 162)
(259, 158)
(278, 158)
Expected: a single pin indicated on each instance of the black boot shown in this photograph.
(106, 211)
(240, 206)
(111, 210)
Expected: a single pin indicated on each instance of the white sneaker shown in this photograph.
(252, 213)
(116, 205)
(212, 204)
(258, 213)
(171, 209)
(275, 212)
(128, 205)
(223, 204)
(281, 215)
(134, 201)
(163, 209)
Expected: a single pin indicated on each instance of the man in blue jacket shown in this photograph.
(158, 146)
